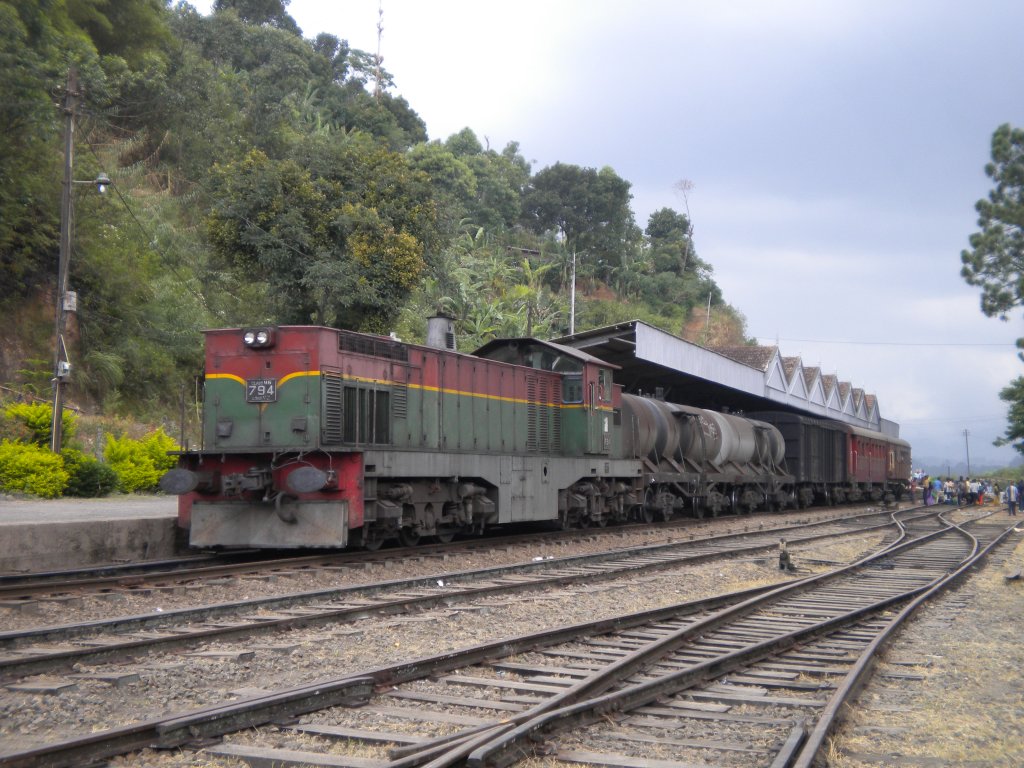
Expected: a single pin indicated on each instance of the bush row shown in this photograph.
(27, 465)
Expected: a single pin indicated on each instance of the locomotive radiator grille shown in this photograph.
(399, 401)
(543, 423)
(331, 424)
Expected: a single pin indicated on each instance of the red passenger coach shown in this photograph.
(877, 461)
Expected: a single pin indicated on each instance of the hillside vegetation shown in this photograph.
(262, 177)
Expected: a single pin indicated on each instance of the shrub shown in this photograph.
(157, 445)
(37, 418)
(139, 464)
(88, 477)
(30, 468)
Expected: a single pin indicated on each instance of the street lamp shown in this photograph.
(67, 301)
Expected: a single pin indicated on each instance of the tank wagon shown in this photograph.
(318, 437)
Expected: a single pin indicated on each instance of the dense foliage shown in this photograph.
(995, 261)
(264, 177)
(28, 466)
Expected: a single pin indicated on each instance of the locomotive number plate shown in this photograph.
(261, 391)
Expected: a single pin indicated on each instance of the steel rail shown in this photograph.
(572, 706)
(856, 677)
(213, 721)
(103, 577)
(602, 566)
(178, 729)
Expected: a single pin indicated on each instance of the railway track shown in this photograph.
(636, 674)
(50, 650)
(18, 588)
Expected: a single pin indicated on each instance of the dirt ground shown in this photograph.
(951, 691)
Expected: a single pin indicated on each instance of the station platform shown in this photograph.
(43, 535)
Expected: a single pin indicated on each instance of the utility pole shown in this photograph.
(967, 447)
(572, 297)
(61, 366)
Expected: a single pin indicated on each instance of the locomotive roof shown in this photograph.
(520, 350)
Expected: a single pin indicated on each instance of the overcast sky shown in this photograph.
(836, 151)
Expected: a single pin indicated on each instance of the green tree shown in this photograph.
(589, 208)
(677, 279)
(499, 180)
(338, 235)
(106, 24)
(1013, 396)
(995, 261)
(258, 12)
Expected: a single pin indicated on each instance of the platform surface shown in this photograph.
(39, 534)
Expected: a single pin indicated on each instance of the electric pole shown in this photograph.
(61, 366)
(967, 447)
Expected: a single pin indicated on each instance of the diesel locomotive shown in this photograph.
(319, 437)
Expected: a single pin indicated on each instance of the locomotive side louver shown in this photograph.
(399, 401)
(331, 421)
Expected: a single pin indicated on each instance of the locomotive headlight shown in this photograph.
(258, 337)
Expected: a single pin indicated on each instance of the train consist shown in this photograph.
(317, 437)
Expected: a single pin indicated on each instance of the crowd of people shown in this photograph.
(935, 490)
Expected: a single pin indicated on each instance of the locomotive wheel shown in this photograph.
(408, 537)
(648, 508)
(372, 540)
(445, 535)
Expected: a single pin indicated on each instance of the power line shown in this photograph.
(901, 343)
(153, 245)
(955, 420)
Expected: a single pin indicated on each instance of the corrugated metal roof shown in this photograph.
(755, 357)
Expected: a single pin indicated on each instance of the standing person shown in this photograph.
(926, 490)
(1011, 499)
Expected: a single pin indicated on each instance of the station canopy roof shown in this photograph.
(750, 378)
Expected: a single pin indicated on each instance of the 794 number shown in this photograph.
(261, 391)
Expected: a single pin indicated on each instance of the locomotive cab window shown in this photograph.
(572, 389)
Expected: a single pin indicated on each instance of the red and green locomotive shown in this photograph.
(317, 437)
